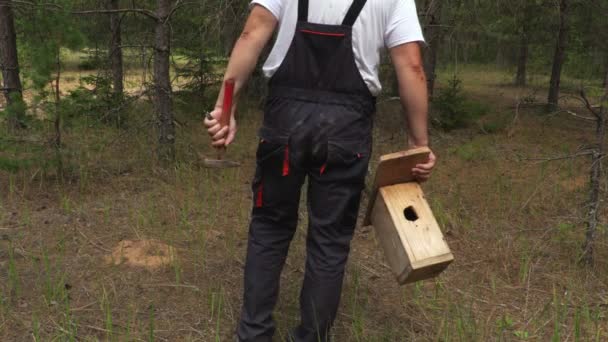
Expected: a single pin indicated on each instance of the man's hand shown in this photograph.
(258, 30)
(422, 172)
(220, 136)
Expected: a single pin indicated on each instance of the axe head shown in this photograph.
(220, 164)
(215, 163)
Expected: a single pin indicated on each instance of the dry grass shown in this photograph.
(515, 227)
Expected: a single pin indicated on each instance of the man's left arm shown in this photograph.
(244, 57)
(414, 99)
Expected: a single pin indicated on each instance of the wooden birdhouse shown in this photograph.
(403, 221)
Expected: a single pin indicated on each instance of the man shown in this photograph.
(317, 124)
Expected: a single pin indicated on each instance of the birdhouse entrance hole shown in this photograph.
(410, 214)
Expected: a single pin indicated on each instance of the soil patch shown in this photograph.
(151, 254)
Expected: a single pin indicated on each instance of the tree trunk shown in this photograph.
(560, 55)
(9, 65)
(57, 125)
(144, 65)
(162, 84)
(522, 61)
(116, 49)
(230, 27)
(594, 195)
(522, 58)
(596, 179)
(433, 34)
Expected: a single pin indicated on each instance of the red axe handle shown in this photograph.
(227, 106)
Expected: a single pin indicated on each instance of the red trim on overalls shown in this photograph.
(323, 167)
(286, 162)
(259, 200)
(323, 33)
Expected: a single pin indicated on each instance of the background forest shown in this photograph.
(101, 150)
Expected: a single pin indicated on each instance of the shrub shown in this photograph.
(495, 123)
(453, 110)
(15, 111)
(90, 63)
(93, 98)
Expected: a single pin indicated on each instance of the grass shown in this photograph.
(13, 276)
(514, 225)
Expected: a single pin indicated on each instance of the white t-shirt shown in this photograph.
(382, 23)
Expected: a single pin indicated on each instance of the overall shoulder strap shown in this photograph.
(303, 10)
(353, 12)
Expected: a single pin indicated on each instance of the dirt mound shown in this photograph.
(150, 254)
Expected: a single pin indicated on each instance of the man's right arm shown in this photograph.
(257, 32)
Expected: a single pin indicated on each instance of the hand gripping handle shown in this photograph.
(227, 106)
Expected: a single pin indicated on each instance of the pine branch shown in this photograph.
(57, 7)
(570, 156)
(145, 12)
(588, 104)
(578, 116)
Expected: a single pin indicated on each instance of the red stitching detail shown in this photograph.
(286, 162)
(322, 171)
(323, 33)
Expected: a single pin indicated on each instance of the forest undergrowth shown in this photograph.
(514, 221)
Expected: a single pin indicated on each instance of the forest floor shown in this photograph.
(515, 225)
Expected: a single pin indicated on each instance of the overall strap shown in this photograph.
(303, 10)
(353, 12)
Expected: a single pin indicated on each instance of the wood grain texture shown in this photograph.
(390, 239)
(395, 168)
(414, 248)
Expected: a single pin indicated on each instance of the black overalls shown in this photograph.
(317, 123)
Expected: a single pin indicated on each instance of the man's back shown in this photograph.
(382, 23)
(317, 128)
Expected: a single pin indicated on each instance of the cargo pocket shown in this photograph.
(267, 149)
(269, 157)
(350, 158)
(347, 152)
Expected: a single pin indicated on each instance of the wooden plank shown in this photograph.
(439, 259)
(395, 168)
(414, 247)
(422, 238)
(426, 272)
(389, 239)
